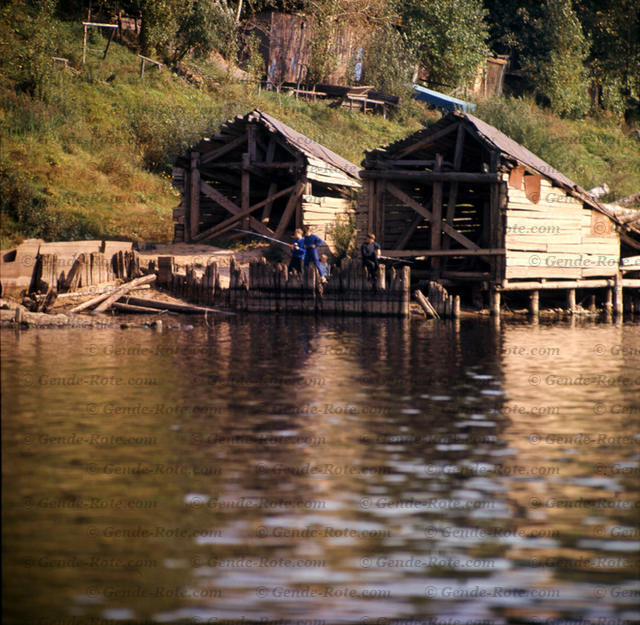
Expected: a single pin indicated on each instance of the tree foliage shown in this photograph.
(449, 36)
(557, 65)
(176, 28)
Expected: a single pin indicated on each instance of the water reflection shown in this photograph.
(339, 470)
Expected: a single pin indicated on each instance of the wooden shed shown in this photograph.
(477, 207)
(259, 173)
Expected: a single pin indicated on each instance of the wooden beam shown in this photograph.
(194, 194)
(218, 197)
(413, 253)
(408, 233)
(371, 205)
(125, 288)
(251, 143)
(428, 140)
(436, 211)
(266, 213)
(290, 208)
(239, 214)
(222, 150)
(453, 187)
(426, 176)
(245, 188)
(452, 232)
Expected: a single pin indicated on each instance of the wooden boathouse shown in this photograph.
(475, 209)
(258, 173)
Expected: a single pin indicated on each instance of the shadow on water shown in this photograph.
(284, 468)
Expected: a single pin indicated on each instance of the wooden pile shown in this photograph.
(438, 302)
(86, 270)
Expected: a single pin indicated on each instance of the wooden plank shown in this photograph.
(174, 307)
(412, 253)
(105, 300)
(221, 151)
(245, 188)
(290, 208)
(424, 176)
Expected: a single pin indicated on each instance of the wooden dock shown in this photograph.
(272, 288)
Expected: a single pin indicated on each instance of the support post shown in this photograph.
(436, 222)
(534, 303)
(245, 187)
(571, 300)
(617, 296)
(194, 195)
(84, 45)
(495, 302)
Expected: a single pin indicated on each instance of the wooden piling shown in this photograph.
(617, 295)
(494, 305)
(534, 303)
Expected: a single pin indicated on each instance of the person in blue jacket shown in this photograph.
(311, 244)
(297, 251)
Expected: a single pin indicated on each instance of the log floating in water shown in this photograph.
(170, 306)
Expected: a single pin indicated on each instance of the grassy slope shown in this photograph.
(92, 160)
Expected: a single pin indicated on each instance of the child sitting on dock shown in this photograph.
(324, 267)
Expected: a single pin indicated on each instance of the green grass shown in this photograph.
(91, 155)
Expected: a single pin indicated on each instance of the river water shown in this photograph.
(294, 470)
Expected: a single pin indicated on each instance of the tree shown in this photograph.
(557, 66)
(449, 36)
(176, 28)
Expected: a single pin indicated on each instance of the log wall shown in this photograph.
(271, 288)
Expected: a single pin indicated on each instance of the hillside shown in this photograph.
(86, 151)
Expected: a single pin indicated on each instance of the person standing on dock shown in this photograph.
(297, 251)
(311, 244)
(370, 251)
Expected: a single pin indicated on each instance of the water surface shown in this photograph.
(283, 469)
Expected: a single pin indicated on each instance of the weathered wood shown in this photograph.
(290, 208)
(409, 201)
(494, 305)
(425, 304)
(465, 252)
(436, 211)
(408, 233)
(534, 303)
(125, 288)
(130, 308)
(423, 176)
(571, 300)
(427, 141)
(222, 150)
(173, 307)
(227, 223)
(618, 300)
